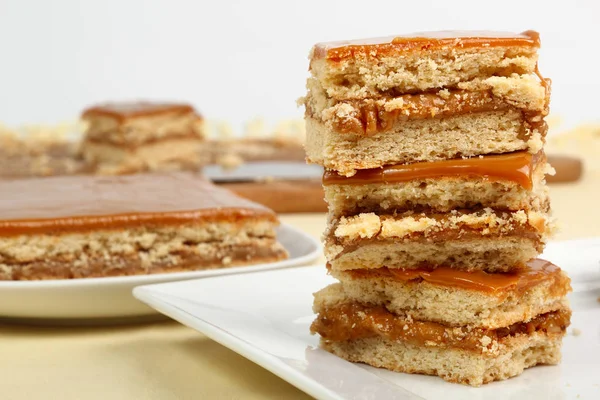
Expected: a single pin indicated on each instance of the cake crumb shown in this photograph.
(230, 161)
(576, 332)
(486, 341)
(226, 260)
(365, 225)
(265, 179)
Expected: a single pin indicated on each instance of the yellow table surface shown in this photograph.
(169, 361)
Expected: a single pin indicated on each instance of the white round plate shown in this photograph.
(103, 299)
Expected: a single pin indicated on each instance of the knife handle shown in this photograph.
(568, 169)
(283, 196)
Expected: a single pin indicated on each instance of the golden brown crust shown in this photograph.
(453, 365)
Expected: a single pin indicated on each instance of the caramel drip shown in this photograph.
(123, 111)
(338, 51)
(546, 83)
(537, 271)
(356, 321)
(516, 167)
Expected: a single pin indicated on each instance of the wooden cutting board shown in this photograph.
(283, 196)
(568, 169)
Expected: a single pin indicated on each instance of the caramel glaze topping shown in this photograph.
(66, 204)
(537, 271)
(421, 41)
(516, 167)
(127, 110)
(356, 321)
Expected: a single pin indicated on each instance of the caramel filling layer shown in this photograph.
(356, 321)
(381, 115)
(516, 167)
(448, 235)
(152, 140)
(425, 41)
(120, 265)
(537, 271)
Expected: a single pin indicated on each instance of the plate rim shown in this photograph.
(238, 345)
(170, 277)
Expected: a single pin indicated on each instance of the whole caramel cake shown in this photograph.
(438, 205)
(82, 226)
(137, 136)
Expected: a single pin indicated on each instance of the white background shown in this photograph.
(237, 60)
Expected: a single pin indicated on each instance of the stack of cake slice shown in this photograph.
(438, 205)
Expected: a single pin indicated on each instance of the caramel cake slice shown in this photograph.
(79, 227)
(453, 297)
(142, 136)
(512, 182)
(424, 97)
(484, 239)
(468, 328)
(420, 61)
(472, 356)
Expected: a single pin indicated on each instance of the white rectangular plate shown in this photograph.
(99, 299)
(266, 316)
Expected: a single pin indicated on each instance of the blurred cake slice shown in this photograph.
(424, 97)
(82, 226)
(143, 136)
(470, 328)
